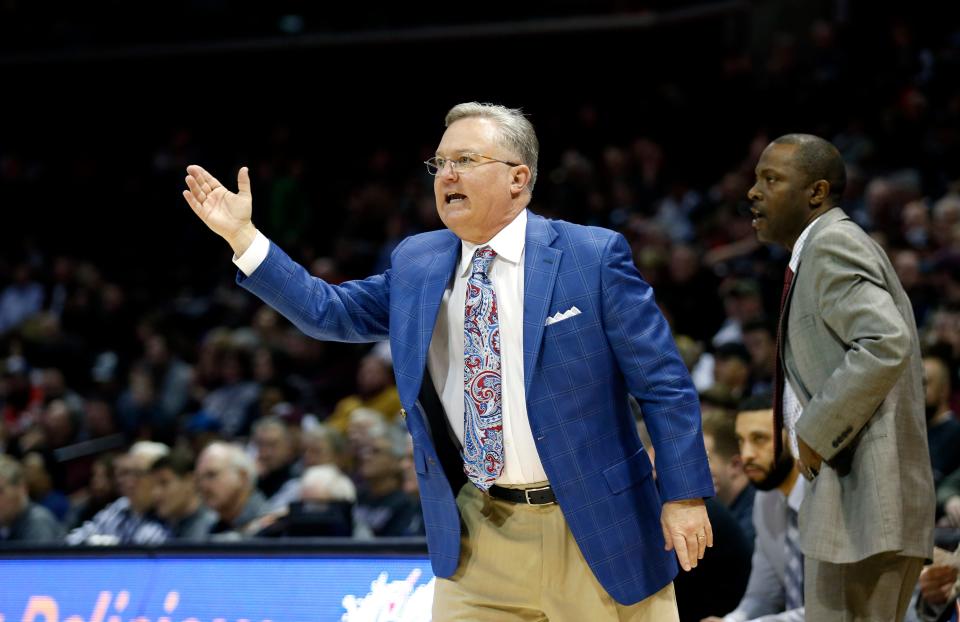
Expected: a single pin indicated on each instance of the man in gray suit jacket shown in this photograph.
(849, 391)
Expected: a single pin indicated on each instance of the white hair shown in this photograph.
(323, 432)
(516, 131)
(374, 420)
(151, 450)
(274, 422)
(237, 458)
(11, 471)
(329, 482)
(947, 206)
(396, 436)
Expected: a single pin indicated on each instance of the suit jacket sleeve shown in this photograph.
(655, 375)
(355, 311)
(858, 309)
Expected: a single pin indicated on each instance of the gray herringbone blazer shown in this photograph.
(852, 355)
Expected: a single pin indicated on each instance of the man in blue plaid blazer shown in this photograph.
(575, 526)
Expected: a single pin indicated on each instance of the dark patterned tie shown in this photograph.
(793, 569)
(778, 376)
(482, 404)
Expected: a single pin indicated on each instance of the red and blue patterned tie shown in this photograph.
(482, 404)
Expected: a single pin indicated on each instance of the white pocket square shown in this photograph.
(559, 317)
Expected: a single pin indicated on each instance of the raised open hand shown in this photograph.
(227, 213)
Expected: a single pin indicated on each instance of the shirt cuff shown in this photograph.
(251, 258)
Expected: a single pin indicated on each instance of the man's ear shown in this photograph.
(520, 179)
(819, 192)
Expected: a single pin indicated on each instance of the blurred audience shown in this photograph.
(227, 479)
(131, 518)
(176, 498)
(22, 520)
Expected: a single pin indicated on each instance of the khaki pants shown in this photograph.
(876, 589)
(520, 562)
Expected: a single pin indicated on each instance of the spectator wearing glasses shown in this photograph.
(131, 518)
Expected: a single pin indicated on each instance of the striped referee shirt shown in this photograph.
(119, 524)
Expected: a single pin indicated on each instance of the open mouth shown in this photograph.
(455, 197)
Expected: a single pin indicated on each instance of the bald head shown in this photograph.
(818, 159)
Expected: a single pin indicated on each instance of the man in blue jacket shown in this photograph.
(515, 342)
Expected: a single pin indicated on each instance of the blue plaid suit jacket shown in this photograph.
(577, 374)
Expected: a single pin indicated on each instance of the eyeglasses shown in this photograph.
(462, 162)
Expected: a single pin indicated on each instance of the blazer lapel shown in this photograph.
(541, 262)
(829, 217)
(433, 270)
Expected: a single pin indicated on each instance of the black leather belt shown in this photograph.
(531, 496)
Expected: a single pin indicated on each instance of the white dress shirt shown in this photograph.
(251, 258)
(792, 408)
(521, 464)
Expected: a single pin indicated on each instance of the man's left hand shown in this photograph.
(687, 529)
(810, 460)
(936, 583)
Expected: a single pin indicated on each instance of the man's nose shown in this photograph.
(447, 171)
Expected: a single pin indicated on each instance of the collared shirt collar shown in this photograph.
(795, 498)
(798, 245)
(508, 244)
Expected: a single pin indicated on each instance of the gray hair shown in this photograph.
(947, 206)
(10, 470)
(516, 131)
(274, 422)
(323, 432)
(395, 435)
(150, 449)
(237, 458)
(363, 414)
(329, 478)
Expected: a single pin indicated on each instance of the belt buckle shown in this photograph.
(527, 491)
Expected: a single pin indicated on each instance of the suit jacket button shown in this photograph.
(403, 413)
